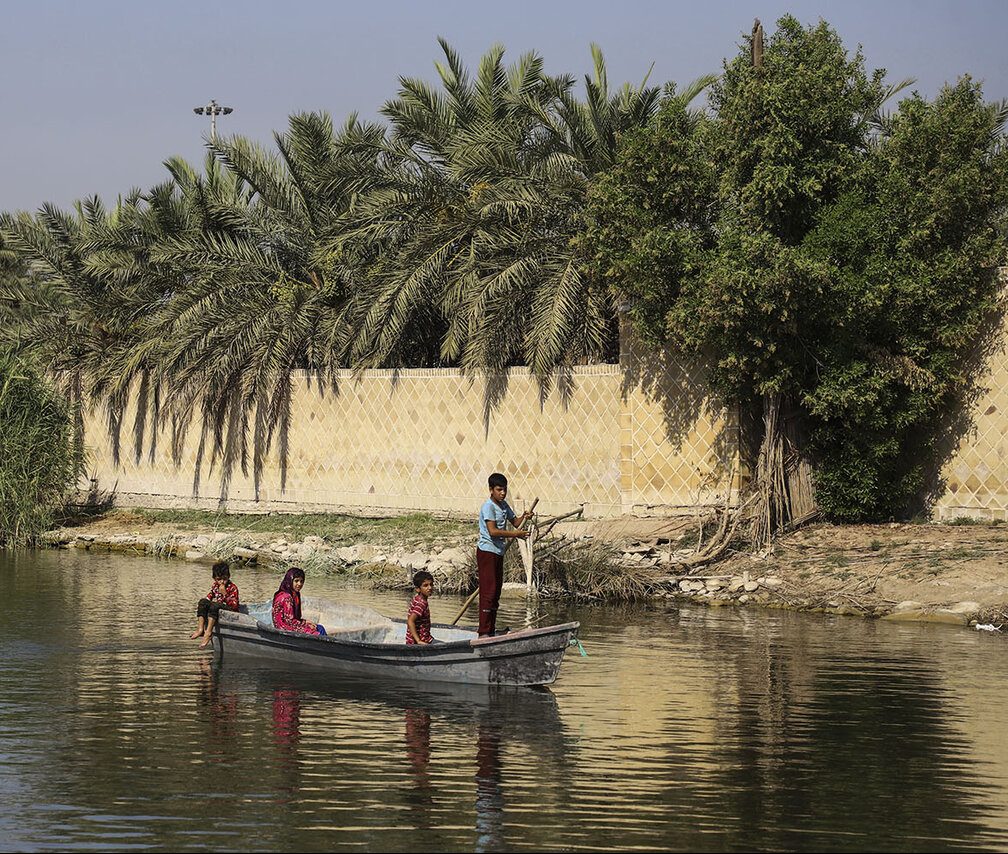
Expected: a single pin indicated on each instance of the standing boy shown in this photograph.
(494, 516)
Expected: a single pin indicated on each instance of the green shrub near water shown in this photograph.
(38, 466)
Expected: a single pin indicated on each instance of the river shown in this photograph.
(684, 728)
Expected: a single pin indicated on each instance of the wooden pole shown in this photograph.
(475, 592)
(465, 607)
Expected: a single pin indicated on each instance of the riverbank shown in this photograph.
(953, 573)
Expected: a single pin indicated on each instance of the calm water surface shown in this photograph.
(685, 728)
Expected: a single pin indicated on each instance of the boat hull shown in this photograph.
(527, 657)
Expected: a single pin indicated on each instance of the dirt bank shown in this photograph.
(946, 573)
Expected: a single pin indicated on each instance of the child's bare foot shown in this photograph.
(206, 642)
(196, 634)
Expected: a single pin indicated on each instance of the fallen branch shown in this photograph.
(549, 524)
(556, 547)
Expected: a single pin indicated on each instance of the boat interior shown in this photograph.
(353, 623)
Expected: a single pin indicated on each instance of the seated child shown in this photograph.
(287, 605)
(223, 594)
(418, 616)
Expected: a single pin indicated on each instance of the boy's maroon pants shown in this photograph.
(490, 568)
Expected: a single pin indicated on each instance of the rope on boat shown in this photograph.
(577, 643)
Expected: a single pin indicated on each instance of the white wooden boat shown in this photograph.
(366, 643)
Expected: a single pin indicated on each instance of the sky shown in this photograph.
(95, 95)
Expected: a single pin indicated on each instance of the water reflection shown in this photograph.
(687, 729)
(418, 753)
(446, 729)
(489, 794)
(286, 720)
(220, 708)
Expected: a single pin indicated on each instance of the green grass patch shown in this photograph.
(335, 528)
(836, 560)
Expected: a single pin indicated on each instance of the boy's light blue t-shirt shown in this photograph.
(500, 515)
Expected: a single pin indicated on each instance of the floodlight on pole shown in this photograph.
(213, 109)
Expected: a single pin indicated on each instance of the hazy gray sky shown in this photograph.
(95, 95)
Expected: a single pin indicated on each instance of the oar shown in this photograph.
(475, 592)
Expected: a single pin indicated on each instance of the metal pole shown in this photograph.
(213, 109)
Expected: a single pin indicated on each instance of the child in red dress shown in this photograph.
(223, 594)
(418, 616)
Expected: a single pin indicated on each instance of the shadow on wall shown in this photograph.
(495, 389)
(684, 398)
(983, 371)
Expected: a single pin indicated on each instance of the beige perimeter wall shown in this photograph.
(640, 437)
(640, 440)
(975, 479)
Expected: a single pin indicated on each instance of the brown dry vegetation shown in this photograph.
(864, 569)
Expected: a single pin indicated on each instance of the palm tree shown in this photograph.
(260, 290)
(476, 209)
(447, 238)
(70, 317)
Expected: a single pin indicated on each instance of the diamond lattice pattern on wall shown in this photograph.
(421, 440)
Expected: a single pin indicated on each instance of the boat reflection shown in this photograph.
(490, 735)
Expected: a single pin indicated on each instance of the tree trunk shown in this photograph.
(783, 483)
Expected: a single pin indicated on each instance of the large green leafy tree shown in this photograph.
(910, 250)
(779, 241)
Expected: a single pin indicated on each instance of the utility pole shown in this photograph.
(213, 109)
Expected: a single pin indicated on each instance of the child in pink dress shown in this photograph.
(287, 605)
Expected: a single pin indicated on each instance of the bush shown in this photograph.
(38, 466)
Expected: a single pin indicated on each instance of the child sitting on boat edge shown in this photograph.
(223, 594)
